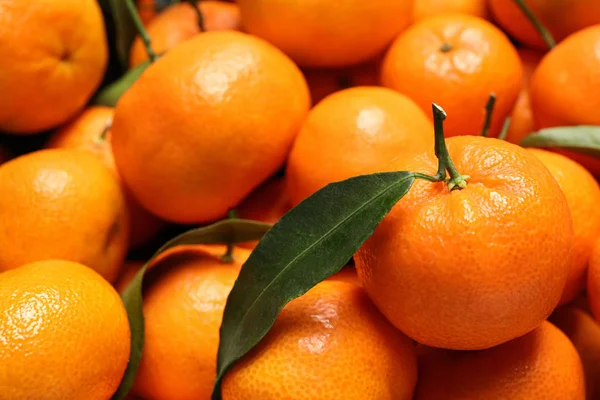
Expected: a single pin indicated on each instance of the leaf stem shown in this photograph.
(135, 16)
(100, 139)
(489, 111)
(227, 258)
(505, 128)
(196, 7)
(456, 181)
(544, 33)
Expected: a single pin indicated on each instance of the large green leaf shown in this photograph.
(583, 139)
(228, 231)
(110, 95)
(309, 244)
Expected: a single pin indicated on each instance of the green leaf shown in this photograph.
(110, 95)
(309, 244)
(125, 30)
(228, 231)
(584, 139)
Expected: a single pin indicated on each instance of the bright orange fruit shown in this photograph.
(593, 284)
(64, 333)
(316, 339)
(583, 196)
(52, 58)
(327, 34)
(353, 132)
(560, 17)
(232, 105)
(184, 299)
(541, 365)
(428, 8)
(179, 22)
(62, 204)
(473, 268)
(584, 333)
(522, 123)
(88, 131)
(563, 87)
(456, 60)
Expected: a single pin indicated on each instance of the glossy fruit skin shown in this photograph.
(64, 333)
(179, 22)
(232, 105)
(428, 8)
(183, 308)
(560, 17)
(564, 75)
(522, 123)
(62, 204)
(593, 284)
(583, 196)
(84, 133)
(584, 333)
(353, 132)
(315, 341)
(473, 268)
(482, 60)
(327, 34)
(66, 56)
(541, 365)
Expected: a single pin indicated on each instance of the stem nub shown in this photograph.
(456, 180)
(544, 33)
(446, 47)
(489, 111)
(227, 258)
(104, 132)
(139, 26)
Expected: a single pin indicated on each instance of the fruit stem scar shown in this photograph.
(489, 111)
(445, 163)
(141, 29)
(194, 4)
(445, 47)
(544, 33)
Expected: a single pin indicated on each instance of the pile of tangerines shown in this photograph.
(442, 155)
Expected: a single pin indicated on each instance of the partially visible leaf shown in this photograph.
(309, 244)
(125, 30)
(228, 231)
(584, 139)
(110, 95)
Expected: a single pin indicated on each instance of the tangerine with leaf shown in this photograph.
(474, 261)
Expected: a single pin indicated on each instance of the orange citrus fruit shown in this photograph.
(593, 284)
(52, 58)
(562, 82)
(231, 125)
(62, 204)
(147, 10)
(179, 22)
(457, 61)
(327, 34)
(64, 333)
(184, 299)
(583, 196)
(541, 365)
(584, 333)
(353, 132)
(316, 339)
(560, 17)
(428, 8)
(522, 123)
(89, 131)
(128, 272)
(473, 268)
